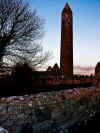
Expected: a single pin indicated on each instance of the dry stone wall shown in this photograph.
(49, 115)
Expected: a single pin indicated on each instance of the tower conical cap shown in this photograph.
(67, 8)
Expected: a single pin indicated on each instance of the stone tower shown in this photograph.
(66, 58)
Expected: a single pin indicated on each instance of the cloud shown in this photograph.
(84, 70)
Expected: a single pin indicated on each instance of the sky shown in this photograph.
(86, 29)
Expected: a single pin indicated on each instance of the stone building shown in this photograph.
(53, 71)
(66, 58)
(97, 71)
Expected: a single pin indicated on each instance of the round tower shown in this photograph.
(66, 58)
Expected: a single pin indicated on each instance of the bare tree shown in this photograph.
(34, 56)
(20, 28)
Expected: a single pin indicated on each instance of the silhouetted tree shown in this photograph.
(22, 72)
(20, 28)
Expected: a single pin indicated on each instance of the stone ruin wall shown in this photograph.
(48, 117)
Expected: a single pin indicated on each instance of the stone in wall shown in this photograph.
(2, 130)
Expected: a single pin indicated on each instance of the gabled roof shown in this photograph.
(56, 67)
(49, 68)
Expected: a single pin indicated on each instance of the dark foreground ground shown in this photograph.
(91, 126)
(12, 87)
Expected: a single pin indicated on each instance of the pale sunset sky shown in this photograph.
(86, 29)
